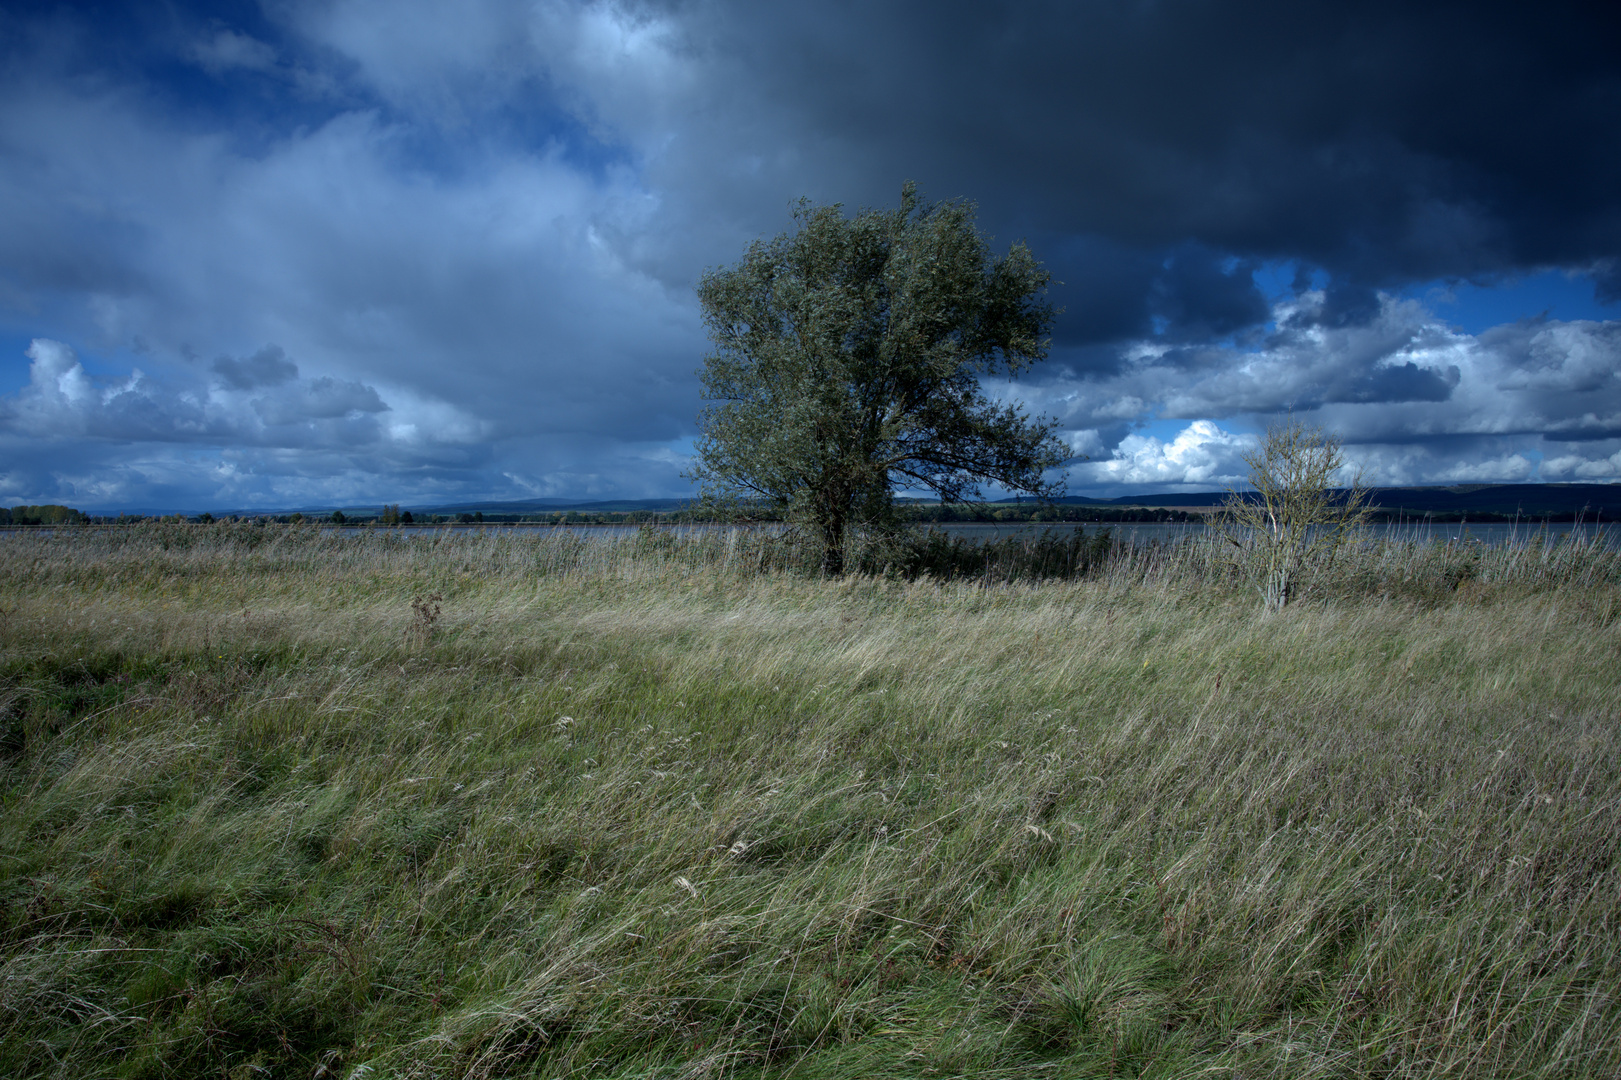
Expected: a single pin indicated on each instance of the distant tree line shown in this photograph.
(41, 515)
(1395, 516)
(905, 513)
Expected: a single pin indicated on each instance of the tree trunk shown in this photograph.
(833, 547)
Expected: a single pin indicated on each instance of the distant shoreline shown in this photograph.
(1486, 503)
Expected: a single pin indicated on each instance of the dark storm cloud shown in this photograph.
(267, 367)
(1384, 141)
(1396, 382)
(1103, 290)
(1345, 303)
(1201, 296)
(325, 398)
(1607, 280)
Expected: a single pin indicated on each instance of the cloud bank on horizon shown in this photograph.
(345, 251)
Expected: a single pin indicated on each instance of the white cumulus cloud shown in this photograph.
(1201, 455)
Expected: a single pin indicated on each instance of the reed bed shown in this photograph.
(292, 802)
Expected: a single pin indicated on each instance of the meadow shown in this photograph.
(283, 802)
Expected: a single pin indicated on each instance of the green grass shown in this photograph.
(662, 808)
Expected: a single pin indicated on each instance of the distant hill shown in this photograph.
(366, 510)
(1590, 501)
(548, 506)
(1601, 502)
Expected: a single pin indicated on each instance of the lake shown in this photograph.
(1142, 532)
(1135, 532)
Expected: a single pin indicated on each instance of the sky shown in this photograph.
(298, 253)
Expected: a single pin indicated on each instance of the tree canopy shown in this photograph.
(49, 514)
(847, 362)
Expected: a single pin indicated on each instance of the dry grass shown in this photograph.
(655, 808)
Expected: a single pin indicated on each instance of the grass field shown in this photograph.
(277, 802)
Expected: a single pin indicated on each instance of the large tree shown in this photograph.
(847, 362)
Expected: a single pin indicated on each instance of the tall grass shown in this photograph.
(668, 805)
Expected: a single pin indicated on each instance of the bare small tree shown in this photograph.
(1294, 522)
